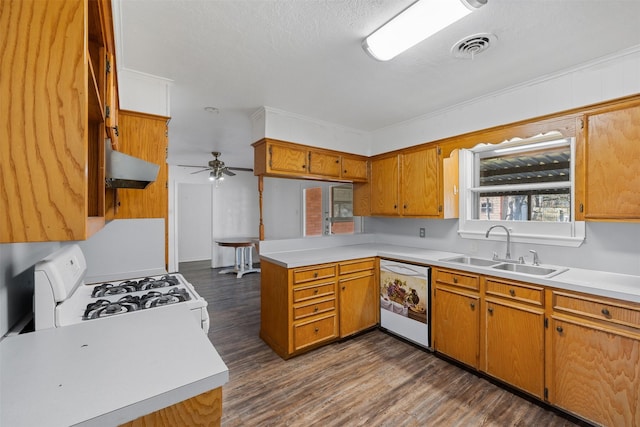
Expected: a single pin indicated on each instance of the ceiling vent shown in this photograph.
(470, 46)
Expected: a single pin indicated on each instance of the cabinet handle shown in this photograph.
(512, 292)
(559, 329)
(315, 292)
(315, 310)
(490, 310)
(455, 279)
(316, 330)
(395, 206)
(344, 287)
(405, 206)
(344, 171)
(605, 312)
(473, 306)
(338, 161)
(315, 274)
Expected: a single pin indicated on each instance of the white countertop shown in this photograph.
(613, 285)
(106, 371)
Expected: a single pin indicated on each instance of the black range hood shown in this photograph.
(125, 171)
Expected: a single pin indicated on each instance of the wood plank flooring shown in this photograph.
(371, 380)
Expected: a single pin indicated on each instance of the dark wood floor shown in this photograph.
(371, 380)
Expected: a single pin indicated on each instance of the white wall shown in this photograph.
(597, 81)
(231, 210)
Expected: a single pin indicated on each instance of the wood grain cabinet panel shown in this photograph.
(53, 89)
(612, 181)
(324, 164)
(287, 159)
(456, 315)
(512, 333)
(359, 296)
(384, 185)
(354, 169)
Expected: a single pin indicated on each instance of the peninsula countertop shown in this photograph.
(106, 371)
(613, 285)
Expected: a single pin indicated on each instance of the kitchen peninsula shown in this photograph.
(111, 372)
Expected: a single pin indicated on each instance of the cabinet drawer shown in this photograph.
(318, 272)
(306, 334)
(356, 266)
(315, 307)
(316, 290)
(515, 291)
(617, 312)
(456, 278)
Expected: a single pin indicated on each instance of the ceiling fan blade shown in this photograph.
(226, 171)
(192, 166)
(203, 170)
(240, 169)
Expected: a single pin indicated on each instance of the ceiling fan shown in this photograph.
(217, 168)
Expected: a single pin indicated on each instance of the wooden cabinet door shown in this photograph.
(419, 183)
(594, 372)
(324, 164)
(456, 324)
(358, 303)
(354, 169)
(287, 159)
(612, 181)
(384, 186)
(513, 346)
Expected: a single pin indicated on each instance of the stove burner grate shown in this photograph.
(134, 286)
(106, 308)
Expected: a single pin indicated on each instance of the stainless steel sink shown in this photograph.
(481, 262)
(529, 269)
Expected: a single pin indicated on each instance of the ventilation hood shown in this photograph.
(125, 171)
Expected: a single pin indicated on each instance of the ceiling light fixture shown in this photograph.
(414, 24)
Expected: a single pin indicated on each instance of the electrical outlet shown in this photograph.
(422, 232)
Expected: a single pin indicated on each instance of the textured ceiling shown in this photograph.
(305, 57)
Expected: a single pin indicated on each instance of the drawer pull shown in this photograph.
(316, 330)
(315, 274)
(315, 291)
(512, 292)
(315, 310)
(559, 329)
(605, 312)
(455, 279)
(490, 310)
(472, 305)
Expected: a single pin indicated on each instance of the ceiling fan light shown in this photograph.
(211, 176)
(417, 22)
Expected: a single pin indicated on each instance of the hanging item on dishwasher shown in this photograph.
(404, 301)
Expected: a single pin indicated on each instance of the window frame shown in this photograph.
(571, 233)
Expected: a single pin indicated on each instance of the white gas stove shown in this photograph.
(62, 298)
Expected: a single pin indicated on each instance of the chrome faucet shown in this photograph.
(508, 254)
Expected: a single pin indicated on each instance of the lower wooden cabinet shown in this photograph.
(359, 296)
(513, 334)
(593, 358)
(456, 315)
(306, 307)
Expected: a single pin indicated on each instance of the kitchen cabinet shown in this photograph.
(593, 367)
(306, 307)
(54, 85)
(290, 160)
(145, 136)
(456, 315)
(385, 178)
(406, 183)
(358, 296)
(298, 307)
(610, 155)
(513, 334)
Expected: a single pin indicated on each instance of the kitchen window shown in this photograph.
(526, 185)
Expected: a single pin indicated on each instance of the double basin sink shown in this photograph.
(532, 270)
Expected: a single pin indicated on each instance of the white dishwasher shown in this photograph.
(404, 301)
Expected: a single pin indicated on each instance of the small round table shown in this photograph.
(244, 257)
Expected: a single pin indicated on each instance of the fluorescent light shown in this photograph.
(419, 21)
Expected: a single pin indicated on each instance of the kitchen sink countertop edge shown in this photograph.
(106, 371)
(613, 285)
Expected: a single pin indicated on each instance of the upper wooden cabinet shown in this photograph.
(289, 160)
(406, 183)
(54, 87)
(610, 154)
